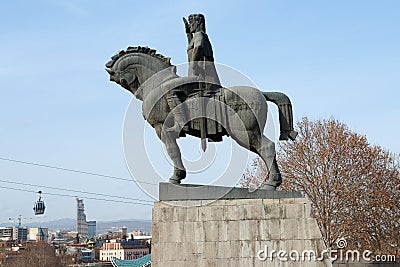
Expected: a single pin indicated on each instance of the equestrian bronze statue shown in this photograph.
(198, 105)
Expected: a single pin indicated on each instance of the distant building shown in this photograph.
(81, 223)
(21, 233)
(6, 233)
(65, 234)
(86, 255)
(9, 233)
(40, 237)
(81, 251)
(124, 250)
(34, 231)
(91, 228)
(139, 233)
(122, 232)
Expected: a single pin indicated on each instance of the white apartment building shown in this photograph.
(124, 250)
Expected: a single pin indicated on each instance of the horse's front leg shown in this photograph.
(169, 140)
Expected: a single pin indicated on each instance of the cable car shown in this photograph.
(39, 206)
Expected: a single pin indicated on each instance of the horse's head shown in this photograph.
(132, 67)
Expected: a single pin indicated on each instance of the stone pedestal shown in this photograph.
(275, 230)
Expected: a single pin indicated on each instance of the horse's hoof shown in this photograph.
(178, 176)
(175, 181)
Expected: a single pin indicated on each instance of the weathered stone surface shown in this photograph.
(231, 232)
(187, 192)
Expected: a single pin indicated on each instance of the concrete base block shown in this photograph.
(236, 232)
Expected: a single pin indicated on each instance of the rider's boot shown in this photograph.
(180, 117)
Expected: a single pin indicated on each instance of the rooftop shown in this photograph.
(141, 262)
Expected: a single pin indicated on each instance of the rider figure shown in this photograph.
(200, 58)
(200, 53)
(201, 65)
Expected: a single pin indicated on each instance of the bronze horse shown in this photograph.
(239, 112)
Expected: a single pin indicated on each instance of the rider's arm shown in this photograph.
(187, 30)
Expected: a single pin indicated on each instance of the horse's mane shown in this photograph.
(137, 49)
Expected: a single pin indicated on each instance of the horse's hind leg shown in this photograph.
(256, 142)
(265, 148)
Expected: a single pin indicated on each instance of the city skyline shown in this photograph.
(58, 108)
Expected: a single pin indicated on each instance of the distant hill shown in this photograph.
(102, 226)
(63, 224)
(60, 224)
(143, 225)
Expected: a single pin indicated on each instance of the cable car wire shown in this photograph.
(76, 171)
(74, 191)
(64, 195)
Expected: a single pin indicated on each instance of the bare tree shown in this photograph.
(36, 255)
(354, 187)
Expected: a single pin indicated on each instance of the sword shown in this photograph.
(203, 122)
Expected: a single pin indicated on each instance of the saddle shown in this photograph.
(213, 113)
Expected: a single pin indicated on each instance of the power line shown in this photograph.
(76, 171)
(75, 191)
(64, 195)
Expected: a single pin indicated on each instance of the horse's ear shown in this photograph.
(110, 63)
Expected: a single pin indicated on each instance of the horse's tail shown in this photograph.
(285, 114)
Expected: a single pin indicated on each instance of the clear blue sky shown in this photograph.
(333, 58)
